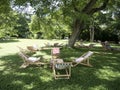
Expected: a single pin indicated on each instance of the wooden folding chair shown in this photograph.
(22, 49)
(55, 52)
(33, 48)
(62, 70)
(29, 60)
(84, 59)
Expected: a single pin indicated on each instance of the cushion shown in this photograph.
(55, 51)
(33, 59)
(79, 59)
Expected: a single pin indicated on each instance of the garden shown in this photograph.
(84, 34)
(102, 76)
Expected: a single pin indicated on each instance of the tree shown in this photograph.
(5, 6)
(49, 26)
(22, 26)
(89, 9)
(75, 12)
(106, 23)
(7, 24)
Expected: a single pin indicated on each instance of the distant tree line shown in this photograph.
(74, 19)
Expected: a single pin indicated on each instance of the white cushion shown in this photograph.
(33, 59)
(79, 59)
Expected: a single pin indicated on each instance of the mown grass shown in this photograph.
(104, 75)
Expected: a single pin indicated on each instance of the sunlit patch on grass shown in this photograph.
(99, 87)
(17, 82)
(114, 58)
(107, 73)
(46, 78)
(2, 67)
(6, 72)
(67, 87)
(29, 86)
(21, 74)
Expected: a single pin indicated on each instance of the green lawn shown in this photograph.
(104, 75)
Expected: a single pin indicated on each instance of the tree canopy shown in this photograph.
(57, 17)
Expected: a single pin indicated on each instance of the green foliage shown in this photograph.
(5, 6)
(8, 23)
(108, 20)
(22, 26)
(48, 27)
(53, 18)
(35, 24)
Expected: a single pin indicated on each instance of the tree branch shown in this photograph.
(100, 8)
(89, 6)
(75, 8)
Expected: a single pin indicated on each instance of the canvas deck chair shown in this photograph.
(106, 45)
(85, 46)
(22, 50)
(84, 59)
(91, 45)
(33, 48)
(58, 44)
(29, 60)
(47, 44)
(55, 52)
(62, 70)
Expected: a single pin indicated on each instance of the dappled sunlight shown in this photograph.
(46, 75)
(107, 73)
(72, 58)
(29, 86)
(99, 87)
(103, 74)
(2, 67)
(21, 73)
(17, 82)
(46, 78)
(6, 72)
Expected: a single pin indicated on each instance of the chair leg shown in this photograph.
(64, 76)
(24, 65)
(86, 63)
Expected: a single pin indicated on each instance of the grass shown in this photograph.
(104, 75)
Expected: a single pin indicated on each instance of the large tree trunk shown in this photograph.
(78, 25)
(77, 29)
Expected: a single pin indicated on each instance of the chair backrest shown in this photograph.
(63, 65)
(107, 45)
(55, 44)
(55, 51)
(91, 45)
(33, 48)
(102, 43)
(21, 49)
(87, 55)
(83, 57)
(23, 56)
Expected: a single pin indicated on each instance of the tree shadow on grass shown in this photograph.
(9, 41)
(14, 78)
(82, 78)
